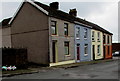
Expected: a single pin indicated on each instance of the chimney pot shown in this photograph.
(54, 5)
(73, 12)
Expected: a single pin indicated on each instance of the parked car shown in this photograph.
(117, 53)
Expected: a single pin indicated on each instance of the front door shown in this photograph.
(78, 51)
(93, 51)
(54, 51)
(104, 51)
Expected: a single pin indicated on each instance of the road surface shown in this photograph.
(107, 70)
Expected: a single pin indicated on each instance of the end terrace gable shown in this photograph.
(32, 3)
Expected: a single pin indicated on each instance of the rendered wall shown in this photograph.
(96, 43)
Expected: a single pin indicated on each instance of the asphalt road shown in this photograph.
(107, 70)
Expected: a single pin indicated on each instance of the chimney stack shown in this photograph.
(54, 5)
(73, 12)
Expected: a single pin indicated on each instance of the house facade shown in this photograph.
(28, 32)
(97, 45)
(61, 40)
(82, 43)
(107, 45)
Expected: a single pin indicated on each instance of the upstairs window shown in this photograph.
(53, 28)
(110, 39)
(66, 46)
(93, 36)
(77, 33)
(98, 36)
(85, 33)
(104, 39)
(65, 29)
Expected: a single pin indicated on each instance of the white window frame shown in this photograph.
(54, 27)
(93, 35)
(85, 49)
(85, 33)
(98, 36)
(78, 32)
(66, 28)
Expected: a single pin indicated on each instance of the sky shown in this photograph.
(101, 12)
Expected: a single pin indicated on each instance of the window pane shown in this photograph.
(53, 27)
(66, 50)
(53, 23)
(77, 32)
(104, 39)
(86, 49)
(66, 46)
(65, 29)
(65, 25)
(53, 30)
(85, 33)
(93, 35)
(98, 36)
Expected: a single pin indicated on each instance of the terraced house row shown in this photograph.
(53, 37)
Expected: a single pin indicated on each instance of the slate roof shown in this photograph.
(56, 13)
(94, 26)
(65, 16)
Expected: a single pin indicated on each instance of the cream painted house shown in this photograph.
(97, 45)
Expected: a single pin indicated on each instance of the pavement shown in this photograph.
(64, 70)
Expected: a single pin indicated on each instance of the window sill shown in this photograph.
(85, 55)
(54, 35)
(99, 54)
(77, 38)
(93, 40)
(68, 55)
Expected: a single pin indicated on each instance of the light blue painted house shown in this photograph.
(82, 42)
